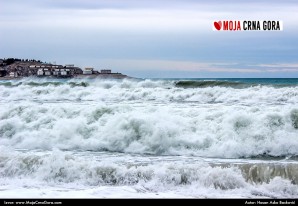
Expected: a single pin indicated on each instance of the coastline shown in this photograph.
(13, 68)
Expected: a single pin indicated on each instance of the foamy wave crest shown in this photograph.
(145, 91)
(226, 131)
(196, 178)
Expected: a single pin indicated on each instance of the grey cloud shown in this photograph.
(131, 4)
(101, 4)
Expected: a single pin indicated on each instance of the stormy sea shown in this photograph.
(158, 138)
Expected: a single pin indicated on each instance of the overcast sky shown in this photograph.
(153, 38)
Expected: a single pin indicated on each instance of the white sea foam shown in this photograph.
(146, 139)
(173, 129)
(101, 175)
(162, 91)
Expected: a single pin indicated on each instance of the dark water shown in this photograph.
(236, 82)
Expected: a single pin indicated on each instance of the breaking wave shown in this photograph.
(231, 132)
(42, 84)
(237, 83)
(272, 180)
(164, 91)
(210, 83)
(213, 138)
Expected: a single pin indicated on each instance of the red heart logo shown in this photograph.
(217, 25)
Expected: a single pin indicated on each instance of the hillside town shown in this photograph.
(11, 68)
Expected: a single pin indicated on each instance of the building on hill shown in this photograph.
(105, 71)
(88, 70)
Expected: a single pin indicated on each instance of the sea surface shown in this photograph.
(158, 138)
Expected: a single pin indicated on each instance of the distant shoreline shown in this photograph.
(12, 68)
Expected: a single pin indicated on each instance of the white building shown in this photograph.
(13, 74)
(40, 72)
(63, 72)
(47, 72)
(88, 70)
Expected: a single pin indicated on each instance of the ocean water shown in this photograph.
(162, 138)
